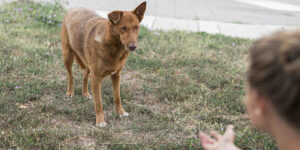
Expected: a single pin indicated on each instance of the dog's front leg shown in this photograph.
(115, 78)
(96, 88)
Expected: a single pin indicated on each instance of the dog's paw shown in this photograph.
(101, 124)
(88, 96)
(124, 114)
(70, 94)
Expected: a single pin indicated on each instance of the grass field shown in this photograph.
(174, 85)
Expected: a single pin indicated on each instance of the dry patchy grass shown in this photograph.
(176, 84)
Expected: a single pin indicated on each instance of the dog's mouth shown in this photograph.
(131, 49)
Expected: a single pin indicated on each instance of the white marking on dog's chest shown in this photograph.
(98, 37)
(113, 72)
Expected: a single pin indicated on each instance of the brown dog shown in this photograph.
(100, 46)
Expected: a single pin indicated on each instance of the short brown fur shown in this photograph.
(100, 46)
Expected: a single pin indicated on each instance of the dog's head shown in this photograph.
(126, 25)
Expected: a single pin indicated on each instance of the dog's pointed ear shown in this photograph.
(115, 16)
(140, 11)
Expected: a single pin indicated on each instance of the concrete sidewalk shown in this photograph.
(212, 27)
(262, 12)
(236, 18)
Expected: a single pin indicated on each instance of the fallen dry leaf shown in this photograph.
(23, 106)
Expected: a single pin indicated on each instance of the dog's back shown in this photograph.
(75, 24)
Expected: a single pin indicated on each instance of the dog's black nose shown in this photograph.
(132, 47)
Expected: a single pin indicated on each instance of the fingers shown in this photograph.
(205, 139)
(209, 143)
(229, 127)
(229, 133)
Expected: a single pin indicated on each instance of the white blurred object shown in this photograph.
(272, 5)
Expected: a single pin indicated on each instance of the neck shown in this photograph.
(112, 43)
(287, 136)
(110, 38)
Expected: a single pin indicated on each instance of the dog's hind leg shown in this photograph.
(68, 61)
(68, 56)
(85, 79)
(85, 91)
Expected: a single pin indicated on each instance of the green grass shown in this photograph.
(174, 85)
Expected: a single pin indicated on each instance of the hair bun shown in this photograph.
(289, 56)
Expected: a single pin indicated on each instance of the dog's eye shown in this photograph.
(123, 28)
(136, 28)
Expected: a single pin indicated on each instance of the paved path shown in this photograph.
(238, 18)
(230, 11)
(229, 29)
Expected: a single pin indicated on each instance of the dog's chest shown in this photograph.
(117, 62)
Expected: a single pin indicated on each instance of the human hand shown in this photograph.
(221, 142)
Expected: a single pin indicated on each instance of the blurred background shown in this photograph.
(270, 12)
(250, 19)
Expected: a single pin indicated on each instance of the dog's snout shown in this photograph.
(132, 47)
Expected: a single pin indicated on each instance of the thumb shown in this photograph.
(229, 133)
